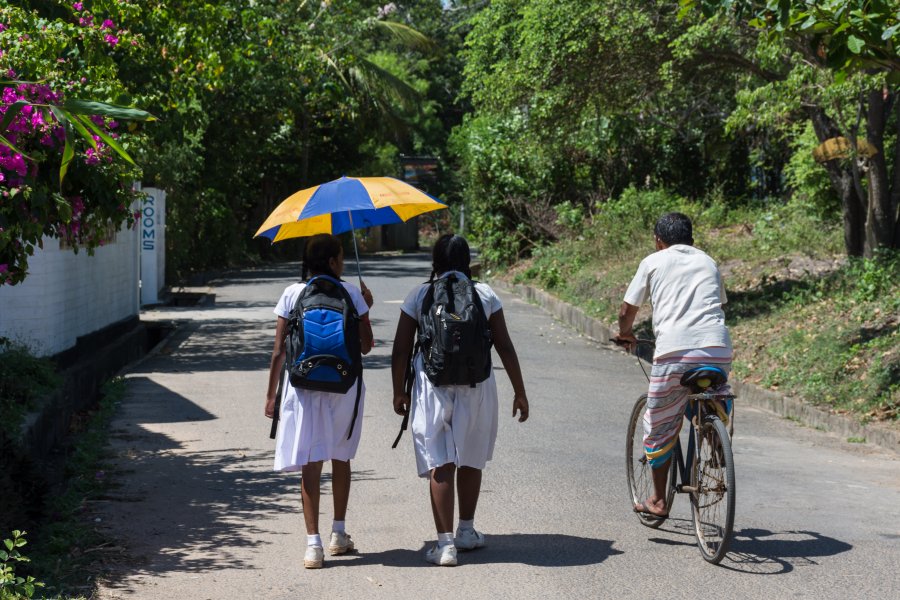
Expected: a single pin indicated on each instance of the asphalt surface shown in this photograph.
(202, 515)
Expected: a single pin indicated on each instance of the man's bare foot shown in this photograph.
(652, 507)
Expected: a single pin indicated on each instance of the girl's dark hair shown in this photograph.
(674, 228)
(451, 253)
(318, 251)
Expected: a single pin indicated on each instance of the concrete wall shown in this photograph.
(67, 295)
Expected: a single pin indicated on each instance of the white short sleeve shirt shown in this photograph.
(290, 294)
(687, 294)
(412, 306)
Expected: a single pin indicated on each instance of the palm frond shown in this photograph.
(383, 86)
(406, 35)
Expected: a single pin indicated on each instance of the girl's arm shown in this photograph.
(403, 346)
(275, 365)
(366, 337)
(510, 360)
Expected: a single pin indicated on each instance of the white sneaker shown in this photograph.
(340, 543)
(444, 556)
(314, 557)
(468, 539)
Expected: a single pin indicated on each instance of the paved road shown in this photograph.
(203, 516)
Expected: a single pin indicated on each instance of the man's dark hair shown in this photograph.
(674, 228)
(319, 249)
(451, 253)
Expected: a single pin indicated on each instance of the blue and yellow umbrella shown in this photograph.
(346, 204)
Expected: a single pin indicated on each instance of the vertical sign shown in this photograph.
(151, 241)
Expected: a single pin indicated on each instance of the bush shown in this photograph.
(23, 379)
(12, 586)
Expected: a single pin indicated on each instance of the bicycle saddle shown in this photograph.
(703, 377)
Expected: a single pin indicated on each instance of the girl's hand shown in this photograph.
(401, 403)
(270, 406)
(520, 405)
(367, 295)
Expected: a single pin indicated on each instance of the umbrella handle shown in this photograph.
(355, 250)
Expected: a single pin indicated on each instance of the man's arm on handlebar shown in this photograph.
(626, 338)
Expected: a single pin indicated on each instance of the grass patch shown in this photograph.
(856, 440)
(67, 545)
(805, 320)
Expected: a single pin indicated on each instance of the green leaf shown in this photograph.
(13, 147)
(80, 128)
(112, 143)
(4, 556)
(68, 153)
(9, 544)
(890, 31)
(91, 107)
(11, 113)
(855, 44)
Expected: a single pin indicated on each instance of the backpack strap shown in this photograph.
(278, 392)
(407, 387)
(359, 382)
(479, 306)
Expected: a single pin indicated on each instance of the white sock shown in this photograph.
(338, 526)
(314, 540)
(470, 524)
(445, 539)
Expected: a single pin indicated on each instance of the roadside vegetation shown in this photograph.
(65, 547)
(805, 320)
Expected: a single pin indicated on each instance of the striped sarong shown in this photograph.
(667, 398)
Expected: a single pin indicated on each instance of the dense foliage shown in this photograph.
(255, 99)
(64, 170)
(577, 101)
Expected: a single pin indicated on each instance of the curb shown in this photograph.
(747, 393)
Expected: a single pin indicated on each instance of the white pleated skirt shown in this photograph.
(313, 426)
(453, 424)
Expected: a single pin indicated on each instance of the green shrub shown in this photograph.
(23, 379)
(12, 586)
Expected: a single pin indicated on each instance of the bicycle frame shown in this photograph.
(699, 406)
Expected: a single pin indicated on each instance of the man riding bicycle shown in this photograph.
(687, 295)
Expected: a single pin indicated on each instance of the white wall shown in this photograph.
(67, 295)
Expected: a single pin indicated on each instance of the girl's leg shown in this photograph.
(311, 475)
(442, 492)
(468, 480)
(340, 485)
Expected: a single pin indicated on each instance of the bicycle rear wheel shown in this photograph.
(637, 469)
(712, 501)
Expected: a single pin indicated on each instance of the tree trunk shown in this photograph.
(880, 219)
(895, 185)
(853, 207)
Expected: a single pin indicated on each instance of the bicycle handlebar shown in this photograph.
(640, 341)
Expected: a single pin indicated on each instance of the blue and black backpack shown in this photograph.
(323, 346)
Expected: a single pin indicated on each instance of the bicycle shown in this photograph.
(705, 471)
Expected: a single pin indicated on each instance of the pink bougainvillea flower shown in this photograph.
(78, 6)
(4, 267)
(108, 24)
(111, 39)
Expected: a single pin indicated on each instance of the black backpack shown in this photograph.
(323, 346)
(454, 335)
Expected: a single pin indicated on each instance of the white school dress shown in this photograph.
(454, 423)
(313, 426)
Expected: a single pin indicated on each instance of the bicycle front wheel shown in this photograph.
(713, 495)
(637, 469)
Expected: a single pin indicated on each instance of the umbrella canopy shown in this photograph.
(345, 204)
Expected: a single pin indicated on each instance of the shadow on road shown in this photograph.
(763, 552)
(515, 548)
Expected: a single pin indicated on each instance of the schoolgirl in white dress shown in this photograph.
(313, 426)
(454, 427)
